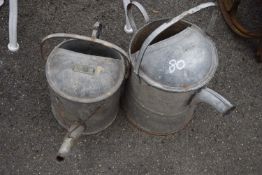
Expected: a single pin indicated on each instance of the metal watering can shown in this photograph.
(172, 61)
(85, 76)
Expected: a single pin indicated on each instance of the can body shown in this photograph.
(172, 61)
(94, 113)
(154, 110)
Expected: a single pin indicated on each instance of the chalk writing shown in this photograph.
(176, 65)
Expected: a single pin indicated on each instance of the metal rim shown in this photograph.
(114, 89)
(195, 86)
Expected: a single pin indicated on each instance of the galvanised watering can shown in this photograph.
(85, 77)
(172, 62)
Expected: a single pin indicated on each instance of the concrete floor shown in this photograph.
(210, 144)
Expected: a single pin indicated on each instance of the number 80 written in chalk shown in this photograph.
(176, 65)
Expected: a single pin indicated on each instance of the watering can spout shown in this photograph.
(214, 99)
(74, 133)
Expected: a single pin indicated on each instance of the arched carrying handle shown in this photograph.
(80, 37)
(94, 38)
(130, 16)
(162, 28)
(97, 30)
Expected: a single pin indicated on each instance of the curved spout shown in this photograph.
(74, 133)
(214, 99)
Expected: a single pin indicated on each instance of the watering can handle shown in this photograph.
(162, 28)
(81, 37)
(95, 34)
(97, 30)
(130, 16)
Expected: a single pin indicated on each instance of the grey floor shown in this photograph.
(210, 144)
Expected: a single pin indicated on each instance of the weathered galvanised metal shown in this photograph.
(85, 76)
(172, 61)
